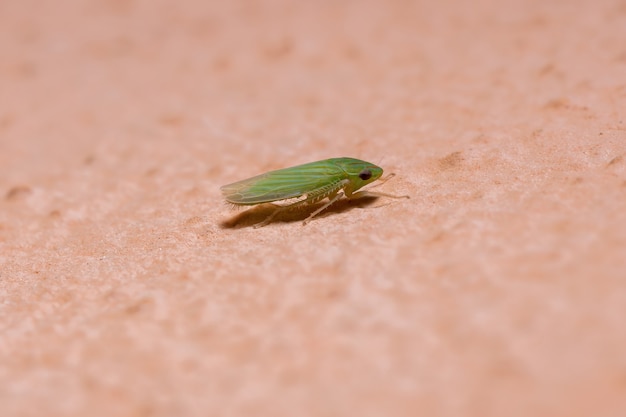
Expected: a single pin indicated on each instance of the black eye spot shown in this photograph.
(365, 175)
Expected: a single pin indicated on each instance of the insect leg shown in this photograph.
(280, 209)
(382, 180)
(377, 194)
(271, 216)
(325, 206)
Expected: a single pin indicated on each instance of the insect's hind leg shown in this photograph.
(332, 192)
(278, 210)
(269, 218)
(324, 207)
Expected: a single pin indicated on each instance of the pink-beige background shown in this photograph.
(128, 288)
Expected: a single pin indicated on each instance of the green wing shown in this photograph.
(284, 183)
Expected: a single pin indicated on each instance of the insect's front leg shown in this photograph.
(377, 194)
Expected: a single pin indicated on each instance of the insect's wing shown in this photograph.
(283, 183)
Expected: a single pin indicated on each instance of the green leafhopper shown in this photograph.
(306, 184)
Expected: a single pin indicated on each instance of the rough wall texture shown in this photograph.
(128, 288)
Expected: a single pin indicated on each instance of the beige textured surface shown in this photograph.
(497, 290)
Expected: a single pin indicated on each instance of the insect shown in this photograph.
(307, 184)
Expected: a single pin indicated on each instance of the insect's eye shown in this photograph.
(365, 175)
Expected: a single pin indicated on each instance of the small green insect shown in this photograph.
(308, 184)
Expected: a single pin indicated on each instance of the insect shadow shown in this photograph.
(257, 214)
